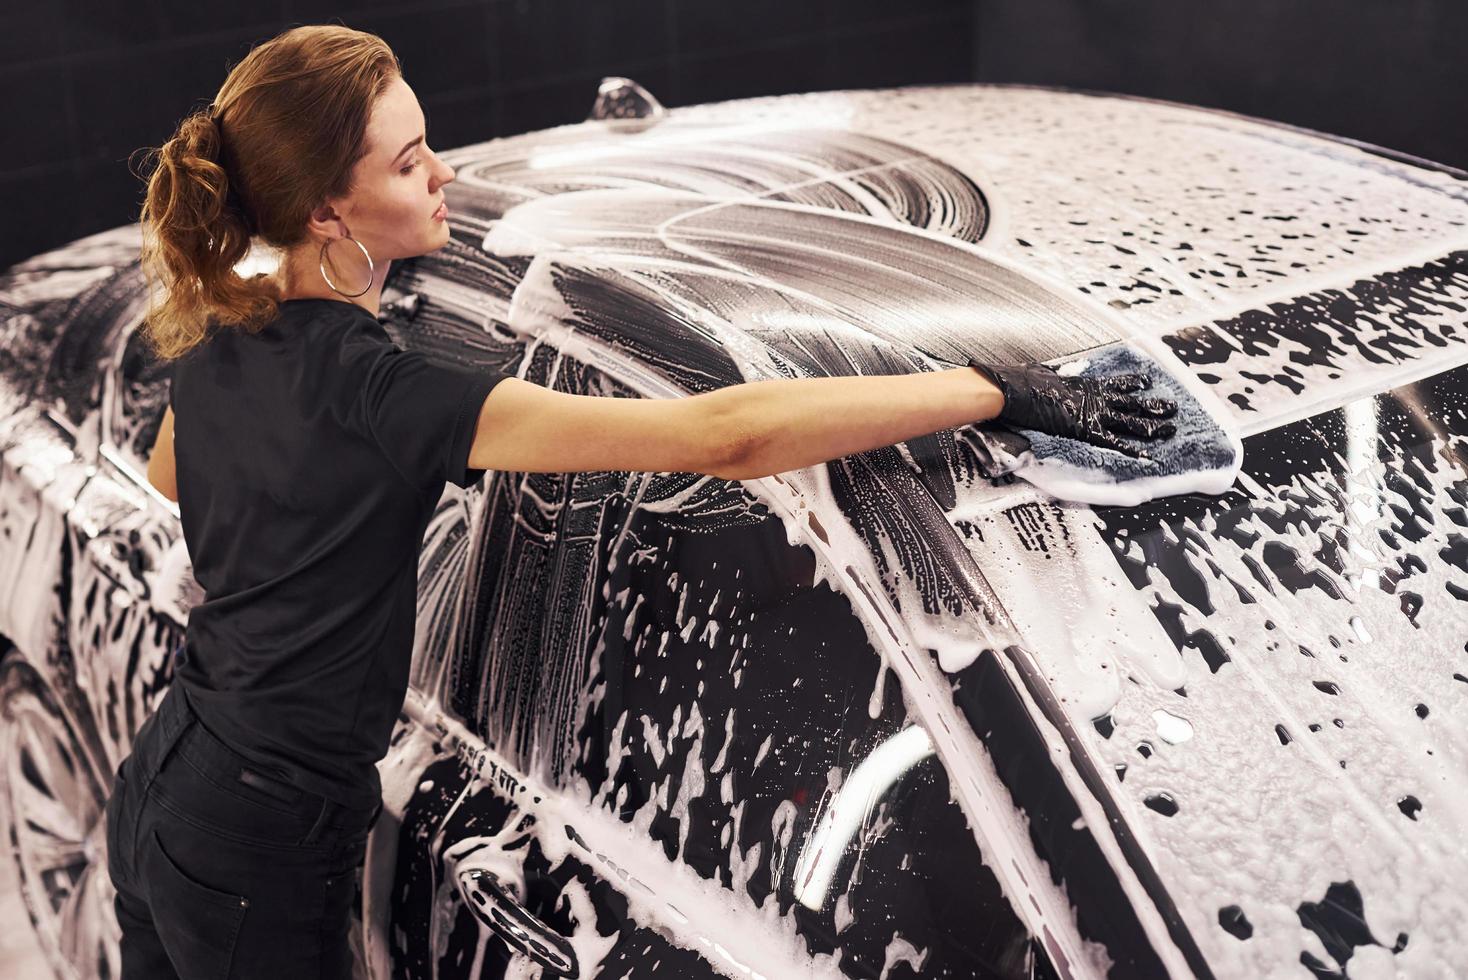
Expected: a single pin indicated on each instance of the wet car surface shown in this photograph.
(881, 717)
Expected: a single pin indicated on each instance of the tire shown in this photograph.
(53, 809)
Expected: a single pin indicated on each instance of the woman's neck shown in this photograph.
(296, 283)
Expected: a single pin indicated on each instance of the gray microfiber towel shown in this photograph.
(1203, 456)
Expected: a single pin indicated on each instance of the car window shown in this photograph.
(140, 398)
(88, 333)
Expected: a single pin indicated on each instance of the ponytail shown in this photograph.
(195, 230)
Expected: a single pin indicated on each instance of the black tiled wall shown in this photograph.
(1390, 73)
(86, 84)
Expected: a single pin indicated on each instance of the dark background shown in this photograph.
(86, 84)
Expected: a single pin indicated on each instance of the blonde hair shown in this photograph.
(284, 133)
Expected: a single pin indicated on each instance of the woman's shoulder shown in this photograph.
(295, 324)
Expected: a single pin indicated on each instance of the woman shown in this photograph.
(311, 452)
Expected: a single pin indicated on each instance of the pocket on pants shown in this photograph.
(198, 924)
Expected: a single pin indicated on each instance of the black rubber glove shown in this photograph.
(1090, 409)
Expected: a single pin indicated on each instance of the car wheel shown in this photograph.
(54, 809)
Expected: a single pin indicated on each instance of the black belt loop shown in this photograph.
(320, 824)
(170, 720)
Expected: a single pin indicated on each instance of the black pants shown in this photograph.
(223, 871)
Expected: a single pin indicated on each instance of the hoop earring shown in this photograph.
(371, 268)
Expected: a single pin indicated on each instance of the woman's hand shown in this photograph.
(1088, 409)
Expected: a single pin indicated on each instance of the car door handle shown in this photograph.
(502, 912)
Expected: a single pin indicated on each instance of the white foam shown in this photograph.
(1085, 485)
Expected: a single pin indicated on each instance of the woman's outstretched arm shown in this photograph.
(786, 424)
(743, 431)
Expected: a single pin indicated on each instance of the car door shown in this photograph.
(74, 605)
(674, 741)
(471, 803)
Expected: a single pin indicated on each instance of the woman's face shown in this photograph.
(399, 183)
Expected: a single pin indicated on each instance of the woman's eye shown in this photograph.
(409, 168)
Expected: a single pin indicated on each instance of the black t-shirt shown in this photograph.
(310, 458)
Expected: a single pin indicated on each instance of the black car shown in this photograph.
(886, 716)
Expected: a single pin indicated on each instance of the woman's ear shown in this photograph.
(324, 222)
